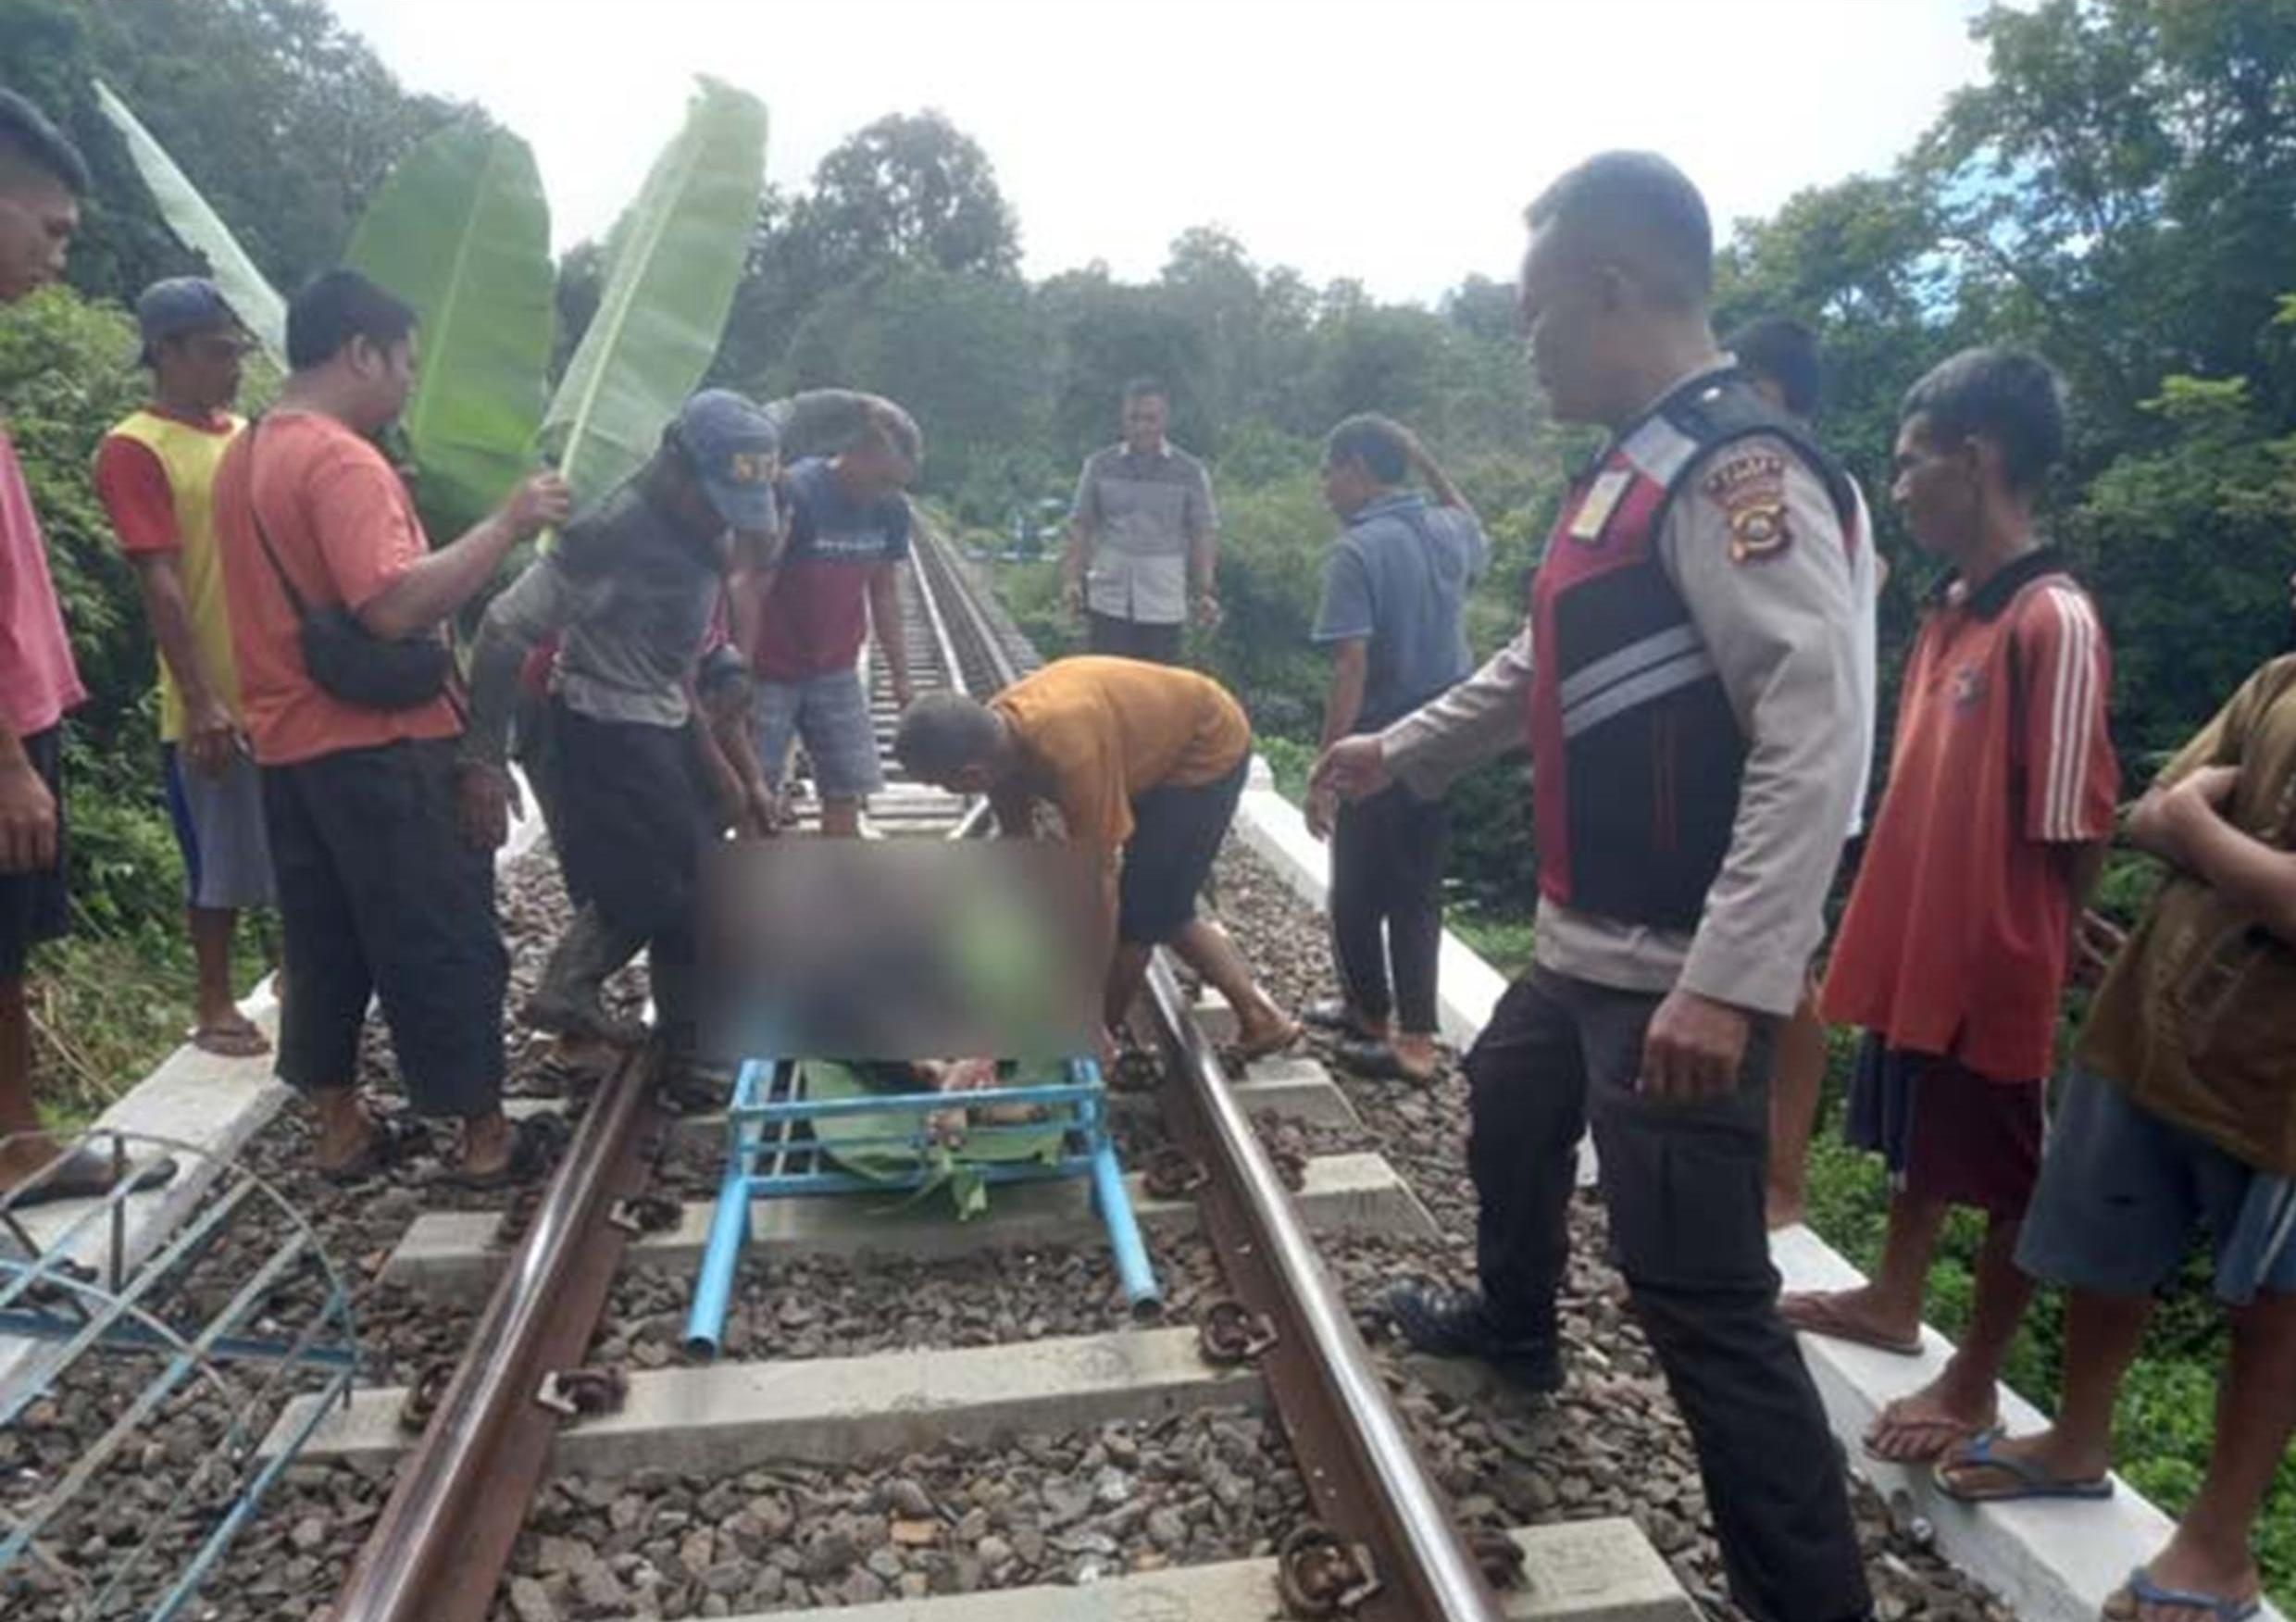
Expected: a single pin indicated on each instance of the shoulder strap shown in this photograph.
(1716, 414)
(263, 537)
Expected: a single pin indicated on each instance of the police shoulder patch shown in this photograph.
(1750, 487)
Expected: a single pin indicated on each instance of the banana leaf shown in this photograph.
(956, 1168)
(461, 232)
(253, 297)
(679, 252)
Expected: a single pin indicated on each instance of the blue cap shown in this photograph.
(731, 445)
(180, 305)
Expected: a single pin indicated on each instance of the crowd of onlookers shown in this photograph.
(1695, 680)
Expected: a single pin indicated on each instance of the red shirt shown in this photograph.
(38, 679)
(343, 528)
(1954, 939)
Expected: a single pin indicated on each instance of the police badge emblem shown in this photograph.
(1750, 487)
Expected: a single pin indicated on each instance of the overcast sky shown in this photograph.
(1392, 140)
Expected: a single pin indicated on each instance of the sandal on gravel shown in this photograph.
(2124, 1604)
(1814, 1313)
(1379, 1061)
(391, 1143)
(86, 1174)
(2027, 1479)
(535, 1141)
(1331, 1015)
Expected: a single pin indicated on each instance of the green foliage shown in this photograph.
(664, 303)
(461, 231)
(252, 297)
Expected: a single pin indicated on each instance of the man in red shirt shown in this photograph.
(1953, 947)
(41, 180)
(383, 852)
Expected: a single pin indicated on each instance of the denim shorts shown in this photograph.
(2122, 1190)
(830, 714)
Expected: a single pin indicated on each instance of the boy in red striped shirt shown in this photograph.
(1953, 948)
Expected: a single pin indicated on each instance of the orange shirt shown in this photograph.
(1099, 733)
(343, 527)
(1954, 939)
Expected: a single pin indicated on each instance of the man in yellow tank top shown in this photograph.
(155, 471)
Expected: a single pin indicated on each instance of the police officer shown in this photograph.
(1686, 683)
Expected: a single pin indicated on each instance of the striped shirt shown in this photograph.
(1954, 939)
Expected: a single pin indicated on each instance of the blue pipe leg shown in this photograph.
(728, 1230)
(1133, 1267)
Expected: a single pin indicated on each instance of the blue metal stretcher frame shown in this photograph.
(1087, 1153)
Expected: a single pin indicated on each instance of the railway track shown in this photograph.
(1047, 1438)
(1379, 1543)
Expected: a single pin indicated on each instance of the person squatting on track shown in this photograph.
(380, 892)
(1143, 538)
(1145, 764)
(1952, 951)
(1394, 599)
(155, 473)
(41, 180)
(803, 621)
(630, 591)
(1686, 681)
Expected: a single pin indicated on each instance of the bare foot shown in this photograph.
(1855, 1315)
(1924, 1426)
(1259, 1037)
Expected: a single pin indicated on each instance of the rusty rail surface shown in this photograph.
(439, 1549)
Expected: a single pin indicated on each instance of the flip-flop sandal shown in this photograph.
(391, 1143)
(2122, 1605)
(535, 1141)
(231, 1042)
(1268, 1046)
(1331, 1015)
(1825, 1320)
(1951, 1434)
(2028, 1480)
(86, 1174)
(1379, 1061)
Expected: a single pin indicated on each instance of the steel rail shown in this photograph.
(1362, 1470)
(439, 1549)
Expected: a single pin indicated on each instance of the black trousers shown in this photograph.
(1132, 639)
(1683, 1184)
(633, 817)
(380, 896)
(1387, 904)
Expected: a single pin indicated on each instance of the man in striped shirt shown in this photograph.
(1954, 945)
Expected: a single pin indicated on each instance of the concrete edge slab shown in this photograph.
(735, 1415)
(450, 1253)
(1575, 1571)
(2053, 1561)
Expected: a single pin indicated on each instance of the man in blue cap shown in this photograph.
(154, 472)
(631, 590)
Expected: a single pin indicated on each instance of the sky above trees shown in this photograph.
(1391, 141)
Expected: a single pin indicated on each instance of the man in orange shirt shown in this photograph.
(1953, 947)
(1146, 763)
(380, 892)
